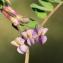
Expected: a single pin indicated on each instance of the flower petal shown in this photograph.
(22, 49)
(32, 41)
(42, 39)
(44, 31)
(15, 21)
(28, 42)
(24, 34)
(34, 34)
(29, 33)
(19, 51)
(20, 40)
(14, 43)
(25, 20)
(40, 30)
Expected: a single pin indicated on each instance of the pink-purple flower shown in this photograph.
(27, 35)
(29, 38)
(12, 15)
(41, 38)
(19, 43)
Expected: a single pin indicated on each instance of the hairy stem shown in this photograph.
(51, 13)
(27, 56)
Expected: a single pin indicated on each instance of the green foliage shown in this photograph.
(1, 4)
(40, 10)
(47, 5)
(31, 24)
(55, 1)
(44, 6)
(33, 5)
(41, 15)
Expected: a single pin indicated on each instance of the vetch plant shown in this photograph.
(43, 7)
(33, 32)
(32, 36)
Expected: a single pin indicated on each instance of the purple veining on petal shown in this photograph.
(42, 39)
(36, 29)
(34, 34)
(30, 37)
(22, 49)
(33, 37)
(30, 42)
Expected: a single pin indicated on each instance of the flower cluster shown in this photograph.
(30, 37)
(15, 18)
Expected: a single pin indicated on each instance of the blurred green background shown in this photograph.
(51, 52)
